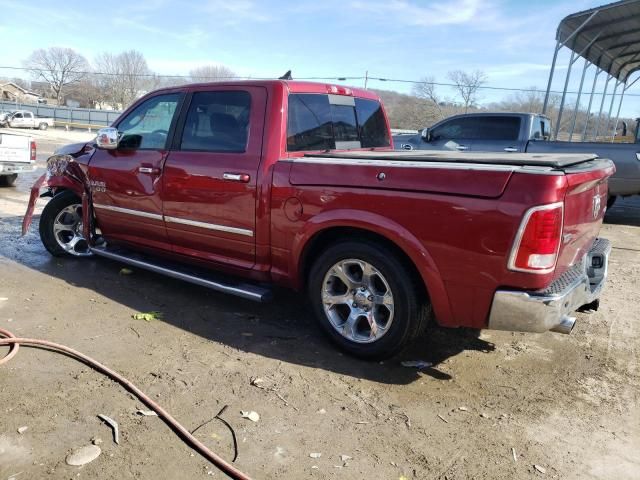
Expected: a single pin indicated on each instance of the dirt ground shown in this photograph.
(491, 407)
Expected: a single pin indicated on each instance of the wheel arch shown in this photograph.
(321, 232)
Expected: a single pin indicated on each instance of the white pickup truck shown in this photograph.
(17, 155)
(26, 119)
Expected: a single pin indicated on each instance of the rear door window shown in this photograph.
(217, 122)
(327, 122)
(486, 127)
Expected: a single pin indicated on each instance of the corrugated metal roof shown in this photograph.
(609, 40)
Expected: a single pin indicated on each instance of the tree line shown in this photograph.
(113, 80)
(116, 80)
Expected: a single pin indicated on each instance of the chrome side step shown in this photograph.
(244, 290)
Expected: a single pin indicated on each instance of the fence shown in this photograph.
(62, 116)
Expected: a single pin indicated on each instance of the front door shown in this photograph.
(126, 183)
(455, 134)
(210, 177)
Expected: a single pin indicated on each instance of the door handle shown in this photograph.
(462, 147)
(151, 170)
(510, 149)
(236, 177)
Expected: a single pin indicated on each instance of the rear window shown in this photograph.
(327, 122)
(495, 128)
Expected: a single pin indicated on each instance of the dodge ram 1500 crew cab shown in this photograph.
(523, 132)
(296, 184)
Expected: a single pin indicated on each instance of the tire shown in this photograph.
(8, 180)
(61, 226)
(43, 126)
(399, 325)
(610, 201)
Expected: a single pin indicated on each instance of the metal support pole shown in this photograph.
(615, 125)
(587, 63)
(613, 98)
(553, 68)
(593, 89)
(564, 95)
(604, 94)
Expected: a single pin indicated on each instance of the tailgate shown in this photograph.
(584, 208)
(15, 148)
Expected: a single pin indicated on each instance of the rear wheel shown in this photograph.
(366, 299)
(8, 180)
(43, 126)
(61, 226)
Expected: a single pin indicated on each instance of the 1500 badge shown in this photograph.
(97, 186)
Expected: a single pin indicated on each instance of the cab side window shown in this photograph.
(452, 130)
(217, 122)
(147, 126)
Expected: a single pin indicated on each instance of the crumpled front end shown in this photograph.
(63, 173)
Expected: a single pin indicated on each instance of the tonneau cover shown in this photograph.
(555, 160)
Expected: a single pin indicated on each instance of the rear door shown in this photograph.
(127, 182)
(211, 175)
(499, 133)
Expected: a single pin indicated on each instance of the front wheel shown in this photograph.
(8, 180)
(366, 299)
(61, 226)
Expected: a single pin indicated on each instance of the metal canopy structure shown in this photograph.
(607, 38)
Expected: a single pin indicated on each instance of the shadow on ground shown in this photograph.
(283, 329)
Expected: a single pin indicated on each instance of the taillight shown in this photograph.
(535, 249)
(33, 150)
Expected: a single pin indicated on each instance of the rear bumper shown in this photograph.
(9, 168)
(551, 308)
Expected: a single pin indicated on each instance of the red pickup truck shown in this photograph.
(239, 186)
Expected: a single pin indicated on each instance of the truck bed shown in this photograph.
(552, 160)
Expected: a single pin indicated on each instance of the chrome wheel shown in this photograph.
(67, 230)
(357, 300)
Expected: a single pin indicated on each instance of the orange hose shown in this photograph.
(13, 342)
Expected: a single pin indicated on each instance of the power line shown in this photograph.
(336, 78)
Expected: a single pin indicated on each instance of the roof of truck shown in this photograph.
(295, 86)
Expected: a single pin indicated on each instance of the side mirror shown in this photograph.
(107, 138)
(426, 135)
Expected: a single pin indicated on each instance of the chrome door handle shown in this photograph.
(236, 177)
(510, 149)
(462, 147)
(149, 170)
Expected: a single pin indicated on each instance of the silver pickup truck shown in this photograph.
(523, 132)
(26, 119)
(17, 155)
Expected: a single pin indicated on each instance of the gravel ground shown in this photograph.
(494, 405)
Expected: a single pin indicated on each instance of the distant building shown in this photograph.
(15, 93)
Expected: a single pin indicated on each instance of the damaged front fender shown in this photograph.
(63, 173)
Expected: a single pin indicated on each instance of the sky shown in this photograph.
(512, 41)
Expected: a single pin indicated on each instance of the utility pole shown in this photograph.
(366, 78)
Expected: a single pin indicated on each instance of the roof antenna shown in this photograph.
(286, 76)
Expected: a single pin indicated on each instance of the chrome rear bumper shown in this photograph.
(551, 308)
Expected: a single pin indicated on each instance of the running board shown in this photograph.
(256, 293)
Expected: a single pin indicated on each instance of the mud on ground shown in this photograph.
(568, 404)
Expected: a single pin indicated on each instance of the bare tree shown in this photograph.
(427, 90)
(57, 66)
(467, 85)
(124, 77)
(211, 73)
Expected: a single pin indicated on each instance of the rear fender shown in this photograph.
(390, 230)
(63, 173)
